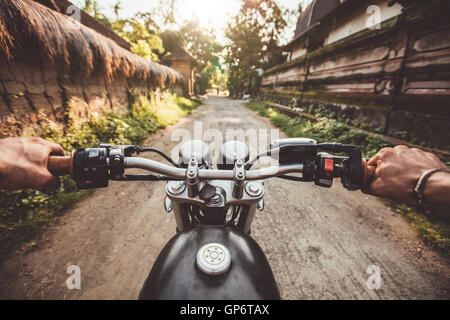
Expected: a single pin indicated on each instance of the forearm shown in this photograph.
(437, 191)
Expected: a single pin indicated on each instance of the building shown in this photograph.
(385, 63)
(183, 62)
(274, 55)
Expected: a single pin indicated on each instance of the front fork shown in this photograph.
(183, 221)
(214, 198)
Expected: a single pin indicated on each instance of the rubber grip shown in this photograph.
(369, 172)
(61, 166)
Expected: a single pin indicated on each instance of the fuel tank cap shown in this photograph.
(214, 259)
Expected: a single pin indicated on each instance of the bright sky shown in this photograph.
(212, 14)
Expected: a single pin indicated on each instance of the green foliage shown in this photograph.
(257, 26)
(142, 33)
(201, 43)
(24, 213)
(435, 232)
(211, 76)
(172, 40)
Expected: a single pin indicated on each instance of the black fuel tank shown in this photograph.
(175, 276)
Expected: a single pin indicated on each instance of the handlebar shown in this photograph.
(204, 174)
(59, 166)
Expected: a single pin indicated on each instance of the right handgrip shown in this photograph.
(61, 166)
(369, 172)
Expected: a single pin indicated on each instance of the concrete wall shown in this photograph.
(298, 51)
(352, 22)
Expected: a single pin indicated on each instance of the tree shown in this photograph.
(91, 7)
(172, 40)
(202, 44)
(142, 33)
(258, 23)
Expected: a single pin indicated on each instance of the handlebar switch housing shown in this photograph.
(351, 170)
(91, 168)
(324, 171)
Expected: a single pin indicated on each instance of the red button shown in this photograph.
(329, 165)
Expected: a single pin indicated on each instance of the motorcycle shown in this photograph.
(213, 256)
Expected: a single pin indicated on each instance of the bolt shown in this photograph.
(253, 189)
(176, 187)
(239, 164)
(191, 173)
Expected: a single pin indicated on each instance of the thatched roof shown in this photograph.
(85, 19)
(34, 34)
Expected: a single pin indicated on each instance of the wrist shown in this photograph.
(437, 189)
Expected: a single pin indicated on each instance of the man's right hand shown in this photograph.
(397, 172)
(23, 163)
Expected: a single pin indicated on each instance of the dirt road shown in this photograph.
(319, 242)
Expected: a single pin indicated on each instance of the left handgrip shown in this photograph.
(61, 166)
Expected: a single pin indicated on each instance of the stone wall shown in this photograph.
(29, 95)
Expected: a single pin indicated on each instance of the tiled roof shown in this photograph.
(313, 13)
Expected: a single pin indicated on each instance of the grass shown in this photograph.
(324, 130)
(434, 231)
(24, 214)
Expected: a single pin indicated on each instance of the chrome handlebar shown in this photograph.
(205, 174)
